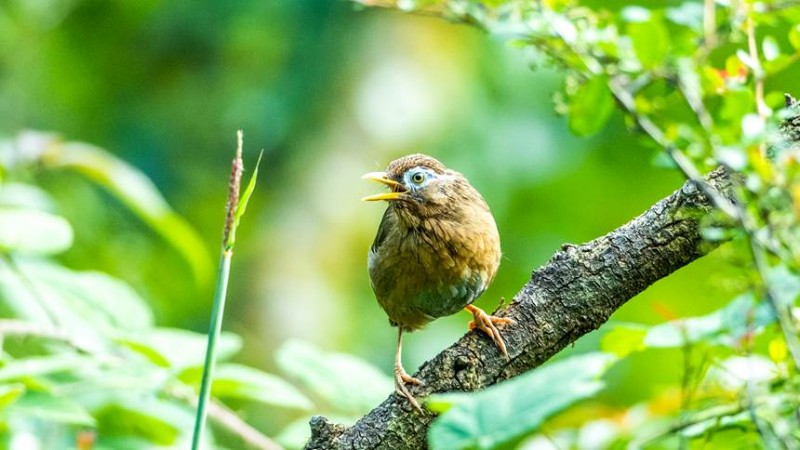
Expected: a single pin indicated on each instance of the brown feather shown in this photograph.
(435, 251)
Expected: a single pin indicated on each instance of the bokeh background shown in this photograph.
(329, 92)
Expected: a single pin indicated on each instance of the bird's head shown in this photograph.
(422, 186)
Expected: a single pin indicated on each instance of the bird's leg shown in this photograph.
(401, 377)
(486, 323)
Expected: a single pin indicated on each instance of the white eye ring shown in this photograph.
(418, 177)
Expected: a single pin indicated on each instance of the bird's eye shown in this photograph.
(418, 177)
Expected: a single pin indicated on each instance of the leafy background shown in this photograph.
(329, 91)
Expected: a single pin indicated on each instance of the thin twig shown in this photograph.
(715, 414)
(758, 70)
(681, 161)
(709, 23)
(784, 321)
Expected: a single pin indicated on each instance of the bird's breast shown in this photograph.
(433, 269)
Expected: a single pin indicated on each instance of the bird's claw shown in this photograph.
(487, 323)
(406, 378)
(400, 380)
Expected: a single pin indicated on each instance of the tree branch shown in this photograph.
(571, 295)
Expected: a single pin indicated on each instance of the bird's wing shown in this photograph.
(383, 230)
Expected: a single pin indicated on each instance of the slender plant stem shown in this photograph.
(215, 327)
(211, 351)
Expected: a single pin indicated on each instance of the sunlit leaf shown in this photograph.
(624, 339)
(777, 349)
(88, 305)
(753, 127)
(9, 393)
(349, 384)
(590, 107)
(650, 42)
(770, 48)
(19, 300)
(736, 104)
(794, 37)
(688, 14)
(247, 383)
(662, 160)
(34, 232)
(139, 194)
(486, 419)
(179, 349)
(49, 408)
(742, 420)
(42, 365)
(635, 14)
(100, 296)
(25, 196)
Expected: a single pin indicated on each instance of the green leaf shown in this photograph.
(244, 200)
(88, 305)
(724, 326)
(139, 194)
(42, 365)
(154, 419)
(794, 37)
(97, 296)
(49, 408)
(514, 408)
(635, 14)
(687, 14)
(347, 383)
(179, 349)
(770, 48)
(25, 196)
(736, 104)
(624, 339)
(662, 160)
(590, 107)
(650, 42)
(33, 232)
(742, 420)
(247, 383)
(9, 393)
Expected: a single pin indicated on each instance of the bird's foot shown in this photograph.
(488, 324)
(401, 378)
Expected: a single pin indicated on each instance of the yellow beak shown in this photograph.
(381, 177)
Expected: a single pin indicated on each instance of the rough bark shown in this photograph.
(571, 295)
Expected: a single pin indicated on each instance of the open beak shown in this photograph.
(380, 177)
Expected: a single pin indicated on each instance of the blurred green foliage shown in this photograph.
(330, 92)
(701, 81)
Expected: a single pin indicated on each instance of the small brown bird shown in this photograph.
(436, 251)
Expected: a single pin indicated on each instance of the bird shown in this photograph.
(437, 249)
